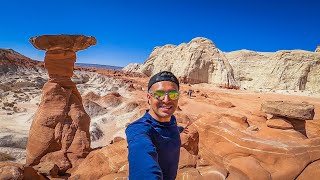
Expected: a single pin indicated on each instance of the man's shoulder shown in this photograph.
(140, 126)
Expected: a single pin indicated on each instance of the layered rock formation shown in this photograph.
(60, 129)
(283, 70)
(234, 150)
(199, 61)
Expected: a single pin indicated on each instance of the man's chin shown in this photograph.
(165, 114)
(169, 111)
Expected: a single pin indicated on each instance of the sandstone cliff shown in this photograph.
(198, 61)
(282, 70)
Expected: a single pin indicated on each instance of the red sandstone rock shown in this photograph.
(312, 128)
(190, 140)
(279, 124)
(11, 173)
(47, 169)
(62, 42)
(118, 139)
(109, 160)
(249, 167)
(182, 118)
(111, 100)
(280, 158)
(222, 103)
(312, 172)
(10, 170)
(235, 120)
(213, 172)
(61, 124)
(58, 158)
(91, 96)
(188, 174)
(115, 176)
(186, 159)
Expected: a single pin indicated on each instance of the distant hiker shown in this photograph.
(189, 93)
(154, 139)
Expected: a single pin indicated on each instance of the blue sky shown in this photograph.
(127, 31)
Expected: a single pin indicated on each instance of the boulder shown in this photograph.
(300, 111)
(47, 169)
(109, 159)
(15, 171)
(11, 173)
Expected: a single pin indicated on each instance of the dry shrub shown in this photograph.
(6, 157)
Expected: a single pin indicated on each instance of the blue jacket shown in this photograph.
(154, 148)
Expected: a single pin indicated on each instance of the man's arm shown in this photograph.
(143, 157)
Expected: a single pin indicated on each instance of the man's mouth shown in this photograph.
(166, 107)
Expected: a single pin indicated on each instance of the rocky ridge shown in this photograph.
(201, 61)
(12, 61)
(294, 70)
(198, 61)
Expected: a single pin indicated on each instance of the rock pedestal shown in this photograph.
(60, 129)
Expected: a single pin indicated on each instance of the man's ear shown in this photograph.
(148, 98)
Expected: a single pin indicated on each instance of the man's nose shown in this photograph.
(166, 98)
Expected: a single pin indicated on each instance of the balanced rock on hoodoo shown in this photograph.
(60, 129)
(301, 111)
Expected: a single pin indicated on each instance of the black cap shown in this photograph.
(163, 76)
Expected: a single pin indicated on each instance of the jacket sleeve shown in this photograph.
(143, 157)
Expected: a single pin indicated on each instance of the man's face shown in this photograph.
(162, 110)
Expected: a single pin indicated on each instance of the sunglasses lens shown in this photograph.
(173, 95)
(159, 95)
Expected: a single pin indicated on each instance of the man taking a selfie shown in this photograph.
(154, 139)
